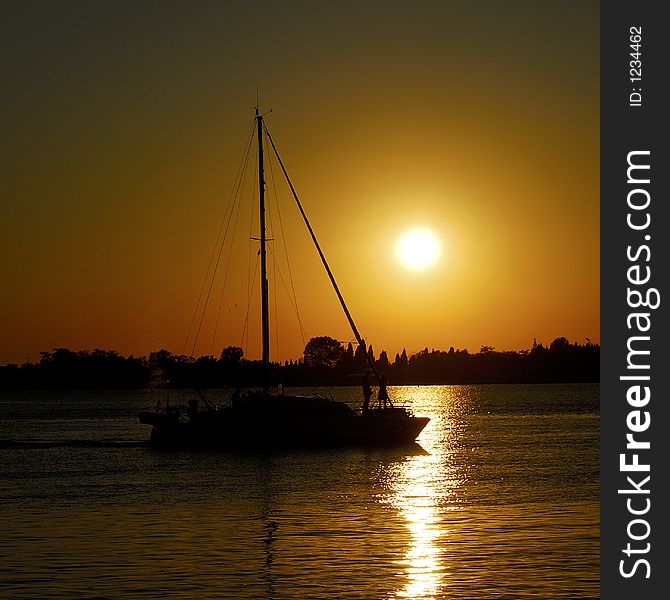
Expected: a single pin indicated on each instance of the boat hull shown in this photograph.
(254, 429)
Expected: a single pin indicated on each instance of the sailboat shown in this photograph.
(265, 418)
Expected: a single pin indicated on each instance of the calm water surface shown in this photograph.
(500, 500)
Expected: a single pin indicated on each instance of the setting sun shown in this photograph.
(418, 249)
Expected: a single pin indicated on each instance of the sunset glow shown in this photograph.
(119, 169)
(418, 249)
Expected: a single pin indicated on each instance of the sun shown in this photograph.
(418, 249)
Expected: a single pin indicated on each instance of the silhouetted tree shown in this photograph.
(231, 355)
(559, 344)
(346, 362)
(383, 361)
(360, 359)
(322, 351)
(326, 363)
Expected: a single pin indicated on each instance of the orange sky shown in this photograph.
(124, 124)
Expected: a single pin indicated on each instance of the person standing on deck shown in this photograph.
(382, 395)
(367, 390)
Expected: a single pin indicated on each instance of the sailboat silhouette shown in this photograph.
(265, 418)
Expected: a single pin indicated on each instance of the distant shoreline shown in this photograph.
(326, 364)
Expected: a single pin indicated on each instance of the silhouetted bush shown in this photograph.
(326, 362)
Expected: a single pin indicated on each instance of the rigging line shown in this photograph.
(230, 253)
(283, 237)
(216, 243)
(249, 295)
(216, 265)
(225, 276)
(288, 294)
(274, 300)
(360, 340)
(274, 272)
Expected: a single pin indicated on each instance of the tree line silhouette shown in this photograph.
(325, 361)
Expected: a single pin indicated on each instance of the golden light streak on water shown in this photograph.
(415, 496)
(423, 567)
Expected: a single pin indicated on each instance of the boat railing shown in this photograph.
(389, 411)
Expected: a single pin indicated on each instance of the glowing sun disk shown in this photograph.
(418, 249)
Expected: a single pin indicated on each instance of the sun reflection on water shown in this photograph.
(423, 489)
(423, 560)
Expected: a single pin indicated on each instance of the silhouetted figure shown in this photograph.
(367, 390)
(237, 396)
(382, 395)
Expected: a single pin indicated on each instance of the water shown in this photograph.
(501, 500)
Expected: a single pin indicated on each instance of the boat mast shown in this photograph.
(265, 321)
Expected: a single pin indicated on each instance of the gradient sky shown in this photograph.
(123, 124)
